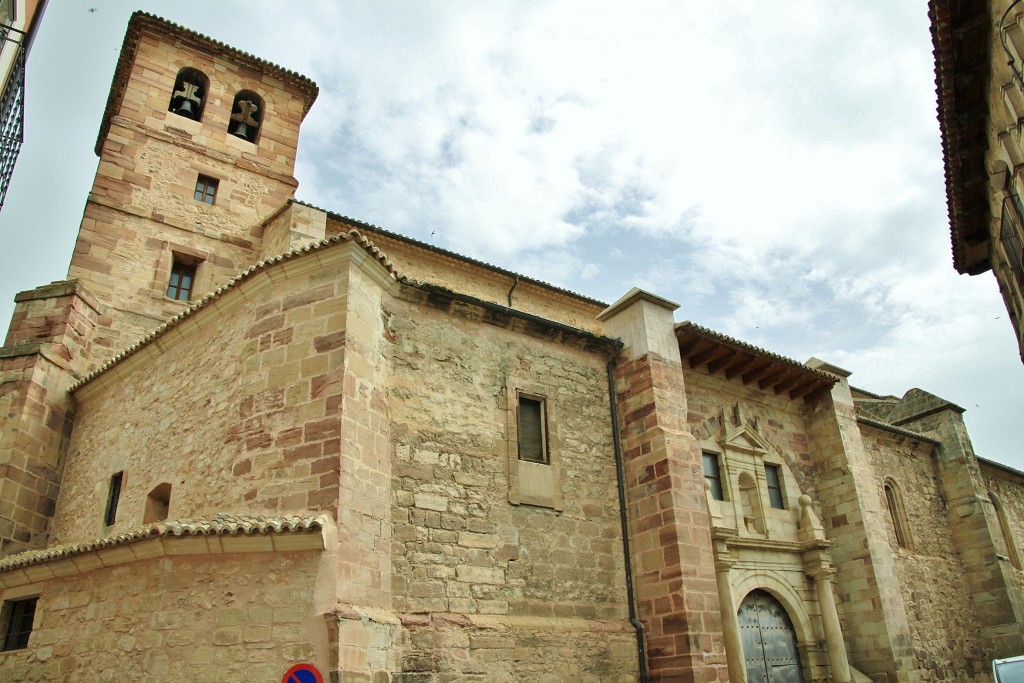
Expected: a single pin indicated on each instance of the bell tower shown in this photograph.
(197, 149)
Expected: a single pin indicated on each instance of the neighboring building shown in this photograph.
(247, 433)
(19, 20)
(979, 67)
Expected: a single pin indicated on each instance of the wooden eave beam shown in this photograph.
(787, 383)
(740, 367)
(722, 361)
(805, 387)
(756, 372)
(772, 379)
(687, 347)
(704, 356)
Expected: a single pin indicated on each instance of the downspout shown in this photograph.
(514, 285)
(620, 477)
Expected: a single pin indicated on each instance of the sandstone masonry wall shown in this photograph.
(175, 619)
(941, 611)
(238, 408)
(505, 591)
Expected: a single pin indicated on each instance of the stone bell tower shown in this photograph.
(197, 152)
(197, 149)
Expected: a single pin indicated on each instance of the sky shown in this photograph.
(774, 168)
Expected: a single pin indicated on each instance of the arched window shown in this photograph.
(158, 504)
(1004, 527)
(894, 501)
(188, 98)
(246, 115)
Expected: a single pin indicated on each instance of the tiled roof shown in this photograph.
(885, 426)
(141, 20)
(222, 525)
(700, 346)
(450, 254)
(351, 235)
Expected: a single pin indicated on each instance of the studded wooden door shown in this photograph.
(769, 641)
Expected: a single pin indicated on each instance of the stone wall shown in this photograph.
(506, 591)
(456, 273)
(237, 407)
(1008, 488)
(941, 611)
(237, 617)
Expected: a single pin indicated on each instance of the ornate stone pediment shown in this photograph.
(739, 436)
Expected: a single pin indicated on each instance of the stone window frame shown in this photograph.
(172, 252)
(11, 611)
(723, 476)
(780, 489)
(897, 513)
(533, 483)
(206, 189)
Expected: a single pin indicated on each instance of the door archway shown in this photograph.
(769, 640)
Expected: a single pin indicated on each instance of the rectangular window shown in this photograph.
(532, 442)
(19, 615)
(206, 189)
(774, 476)
(183, 277)
(713, 474)
(115, 495)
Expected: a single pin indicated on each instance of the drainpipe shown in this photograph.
(620, 477)
(514, 285)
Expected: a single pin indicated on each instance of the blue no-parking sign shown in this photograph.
(302, 673)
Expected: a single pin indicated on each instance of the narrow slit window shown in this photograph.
(206, 189)
(895, 504)
(773, 475)
(713, 475)
(183, 277)
(532, 437)
(113, 497)
(18, 623)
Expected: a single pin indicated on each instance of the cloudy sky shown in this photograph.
(775, 168)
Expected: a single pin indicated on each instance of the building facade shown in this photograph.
(247, 433)
(979, 70)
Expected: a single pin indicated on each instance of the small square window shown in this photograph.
(774, 478)
(713, 474)
(206, 189)
(183, 277)
(532, 441)
(18, 618)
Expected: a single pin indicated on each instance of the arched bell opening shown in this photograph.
(246, 116)
(188, 98)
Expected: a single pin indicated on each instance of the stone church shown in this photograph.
(247, 434)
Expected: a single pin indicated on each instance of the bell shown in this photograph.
(241, 131)
(184, 108)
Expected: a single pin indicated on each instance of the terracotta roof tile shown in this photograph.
(220, 525)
